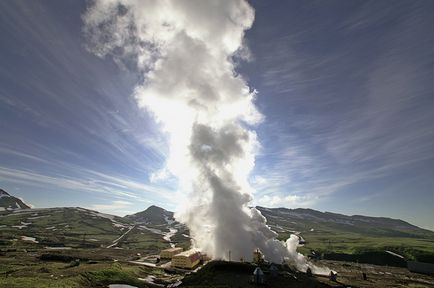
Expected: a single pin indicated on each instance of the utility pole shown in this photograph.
(229, 255)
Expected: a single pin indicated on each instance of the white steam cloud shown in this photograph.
(186, 50)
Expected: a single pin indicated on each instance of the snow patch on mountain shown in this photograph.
(23, 225)
(29, 239)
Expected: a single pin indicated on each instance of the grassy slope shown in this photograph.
(59, 227)
(23, 270)
(83, 228)
(76, 227)
(332, 239)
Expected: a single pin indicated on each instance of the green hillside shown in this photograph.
(328, 234)
(323, 234)
(53, 227)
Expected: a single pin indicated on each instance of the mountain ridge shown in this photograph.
(9, 202)
(155, 228)
(354, 216)
(152, 215)
(383, 226)
(303, 220)
(156, 215)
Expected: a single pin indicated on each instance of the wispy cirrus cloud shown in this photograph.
(89, 181)
(347, 98)
(346, 108)
(68, 120)
(123, 207)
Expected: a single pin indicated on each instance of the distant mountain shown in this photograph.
(282, 220)
(153, 215)
(162, 222)
(9, 202)
(151, 230)
(307, 220)
(286, 221)
(155, 228)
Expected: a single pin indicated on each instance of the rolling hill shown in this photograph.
(75, 227)
(353, 238)
(324, 233)
(334, 235)
(66, 226)
(309, 220)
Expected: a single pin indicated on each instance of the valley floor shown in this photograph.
(101, 267)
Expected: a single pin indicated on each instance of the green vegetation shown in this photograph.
(26, 261)
(330, 233)
(328, 241)
(23, 269)
(114, 274)
(38, 282)
(72, 227)
(410, 248)
(142, 239)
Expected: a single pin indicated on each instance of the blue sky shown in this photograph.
(345, 87)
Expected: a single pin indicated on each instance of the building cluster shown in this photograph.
(182, 259)
(191, 258)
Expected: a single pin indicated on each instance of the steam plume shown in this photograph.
(186, 50)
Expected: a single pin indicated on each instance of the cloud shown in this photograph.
(286, 201)
(89, 181)
(94, 112)
(345, 121)
(186, 50)
(115, 207)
